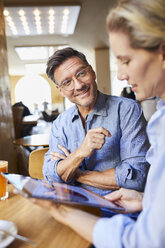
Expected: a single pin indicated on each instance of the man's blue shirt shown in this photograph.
(125, 150)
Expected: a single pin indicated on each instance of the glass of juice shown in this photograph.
(3, 181)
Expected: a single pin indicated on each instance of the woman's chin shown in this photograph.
(140, 97)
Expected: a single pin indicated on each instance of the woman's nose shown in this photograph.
(122, 76)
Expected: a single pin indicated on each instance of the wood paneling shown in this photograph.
(103, 70)
(6, 120)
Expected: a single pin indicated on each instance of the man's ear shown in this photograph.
(94, 74)
(59, 89)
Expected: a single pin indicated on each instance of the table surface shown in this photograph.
(30, 119)
(36, 224)
(33, 140)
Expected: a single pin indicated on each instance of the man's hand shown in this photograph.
(56, 155)
(94, 139)
(129, 199)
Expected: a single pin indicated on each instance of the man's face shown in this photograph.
(84, 93)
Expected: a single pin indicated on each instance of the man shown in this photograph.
(102, 138)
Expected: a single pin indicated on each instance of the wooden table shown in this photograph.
(30, 120)
(36, 224)
(34, 140)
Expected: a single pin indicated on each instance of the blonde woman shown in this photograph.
(137, 39)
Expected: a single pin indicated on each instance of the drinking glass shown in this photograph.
(3, 181)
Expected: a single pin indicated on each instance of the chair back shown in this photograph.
(36, 161)
(17, 119)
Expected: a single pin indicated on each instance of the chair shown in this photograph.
(36, 160)
(17, 118)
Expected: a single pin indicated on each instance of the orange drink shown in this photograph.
(3, 181)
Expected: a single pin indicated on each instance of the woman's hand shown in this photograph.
(56, 155)
(56, 210)
(129, 199)
(71, 217)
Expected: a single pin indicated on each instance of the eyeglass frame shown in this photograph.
(62, 85)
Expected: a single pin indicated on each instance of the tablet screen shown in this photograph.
(58, 192)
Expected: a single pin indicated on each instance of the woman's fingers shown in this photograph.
(114, 196)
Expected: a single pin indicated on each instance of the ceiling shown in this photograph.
(90, 31)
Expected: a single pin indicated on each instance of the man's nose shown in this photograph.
(77, 83)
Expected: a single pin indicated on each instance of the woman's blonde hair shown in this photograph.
(142, 20)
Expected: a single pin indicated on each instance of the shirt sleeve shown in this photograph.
(57, 137)
(147, 231)
(132, 171)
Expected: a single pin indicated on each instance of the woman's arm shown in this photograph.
(81, 222)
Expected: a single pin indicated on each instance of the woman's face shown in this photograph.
(144, 70)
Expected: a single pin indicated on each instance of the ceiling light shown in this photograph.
(8, 18)
(36, 12)
(21, 12)
(11, 23)
(66, 11)
(57, 15)
(6, 12)
(23, 18)
(37, 52)
(51, 12)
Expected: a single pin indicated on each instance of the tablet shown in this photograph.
(58, 192)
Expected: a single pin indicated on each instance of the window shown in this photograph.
(33, 91)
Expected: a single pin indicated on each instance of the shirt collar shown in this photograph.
(160, 104)
(99, 108)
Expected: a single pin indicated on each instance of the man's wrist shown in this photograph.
(80, 154)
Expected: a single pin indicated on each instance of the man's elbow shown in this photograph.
(136, 184)
(67, 176)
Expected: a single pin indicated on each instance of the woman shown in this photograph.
(137, 39)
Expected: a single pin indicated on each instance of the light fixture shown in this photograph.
(35, 53)
(35, 68)
(23, 21)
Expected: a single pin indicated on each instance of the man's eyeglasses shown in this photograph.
(80, 76)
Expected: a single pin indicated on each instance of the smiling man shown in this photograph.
(100, 143)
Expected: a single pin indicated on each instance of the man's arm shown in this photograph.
(103, 180)
(132, 171)
(98, 179)
(95, 139)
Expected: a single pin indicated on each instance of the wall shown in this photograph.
(7, 151)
